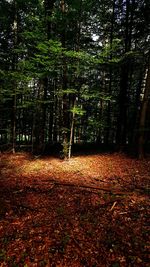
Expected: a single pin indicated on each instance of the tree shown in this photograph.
(144, 110)
(71, 72)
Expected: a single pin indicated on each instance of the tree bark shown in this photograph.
(123, 95)
(48, 5)
(14, 68)
(72, 130)
(143, 115)
(110, 79)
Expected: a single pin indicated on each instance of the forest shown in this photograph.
(75, 73)
(74, 133)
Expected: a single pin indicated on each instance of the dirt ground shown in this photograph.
(91, 211)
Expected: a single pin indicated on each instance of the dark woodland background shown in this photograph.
(73, 74)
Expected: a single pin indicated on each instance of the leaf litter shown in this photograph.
(90, 211)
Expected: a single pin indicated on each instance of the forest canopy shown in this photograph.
(75, 72)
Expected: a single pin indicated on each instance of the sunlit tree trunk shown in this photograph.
(75, 80)
(72, 130)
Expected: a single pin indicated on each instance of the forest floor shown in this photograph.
(90, 211)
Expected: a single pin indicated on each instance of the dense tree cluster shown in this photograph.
(75, 72)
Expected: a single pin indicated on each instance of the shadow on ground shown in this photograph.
(50, 224)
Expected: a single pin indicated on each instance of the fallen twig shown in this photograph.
(113, 205)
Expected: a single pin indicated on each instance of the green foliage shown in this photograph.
(109, 53)
(78, 53)
(50, 47)
(96, 124)
(96, 95)
(69, 91)
(78, 111)
(82, 56)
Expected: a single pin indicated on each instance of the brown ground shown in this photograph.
(90, 211)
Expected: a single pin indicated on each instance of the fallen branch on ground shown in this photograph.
(109, 190)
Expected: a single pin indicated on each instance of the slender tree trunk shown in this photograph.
(52, 113)
(56, 115)
(65, 102)
(14, 67)
(48, 5)
(76, 79)
(33, 123)
(110, 79)
(43, 111)
(122, 119)
(32, 134)
(14, 124)
(71, 131)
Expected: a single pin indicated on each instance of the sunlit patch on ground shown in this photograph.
(89, 211)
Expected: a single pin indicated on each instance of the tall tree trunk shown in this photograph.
(65, 102)
(135, 116)
(75, 80)
(123, 95)
(110, 79)
(14, 124)
(43, 85)
(14, 68)
(143, 115)
(48, 5)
